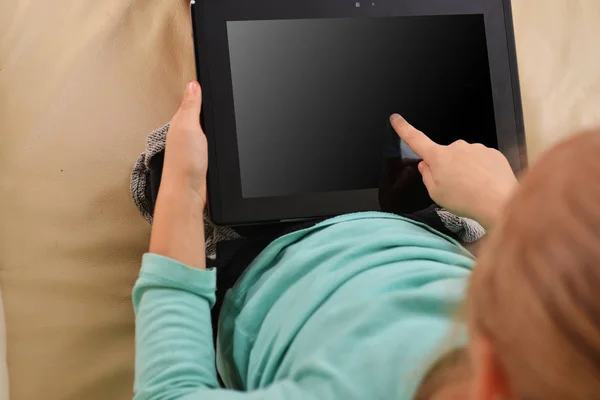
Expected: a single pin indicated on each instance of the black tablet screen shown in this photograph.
(312, 97)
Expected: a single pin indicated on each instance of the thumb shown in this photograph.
(189, 110)
(427, 175)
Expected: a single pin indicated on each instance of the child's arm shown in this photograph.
(175, 356)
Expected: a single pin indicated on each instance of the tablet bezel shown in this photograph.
(209, 18)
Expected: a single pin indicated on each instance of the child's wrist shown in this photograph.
(493, 206)
(178, 226)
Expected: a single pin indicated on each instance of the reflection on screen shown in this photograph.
(401, 187)
(312, 97)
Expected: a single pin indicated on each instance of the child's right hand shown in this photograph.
(469, 180)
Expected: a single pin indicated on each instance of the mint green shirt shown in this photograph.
(356, 307)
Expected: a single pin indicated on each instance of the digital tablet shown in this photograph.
(297, 96)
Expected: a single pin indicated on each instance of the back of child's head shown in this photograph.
(535, 293)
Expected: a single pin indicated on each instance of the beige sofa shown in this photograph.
(81, 84)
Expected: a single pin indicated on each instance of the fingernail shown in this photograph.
(191, 87)
(395, 117)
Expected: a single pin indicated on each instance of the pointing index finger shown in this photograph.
(415, 139)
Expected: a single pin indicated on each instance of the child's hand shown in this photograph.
(470, 180)
(178, 227)
(186, 155)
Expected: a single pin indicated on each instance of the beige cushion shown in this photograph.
(559, 65)
(81, 84)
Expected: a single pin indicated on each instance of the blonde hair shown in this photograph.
(535, 293)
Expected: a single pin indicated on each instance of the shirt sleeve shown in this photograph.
(175, 356)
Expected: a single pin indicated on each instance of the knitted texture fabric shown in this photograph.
(155, 143)
(467, 230)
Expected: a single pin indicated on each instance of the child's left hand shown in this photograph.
(186, 154)
(178, 226)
